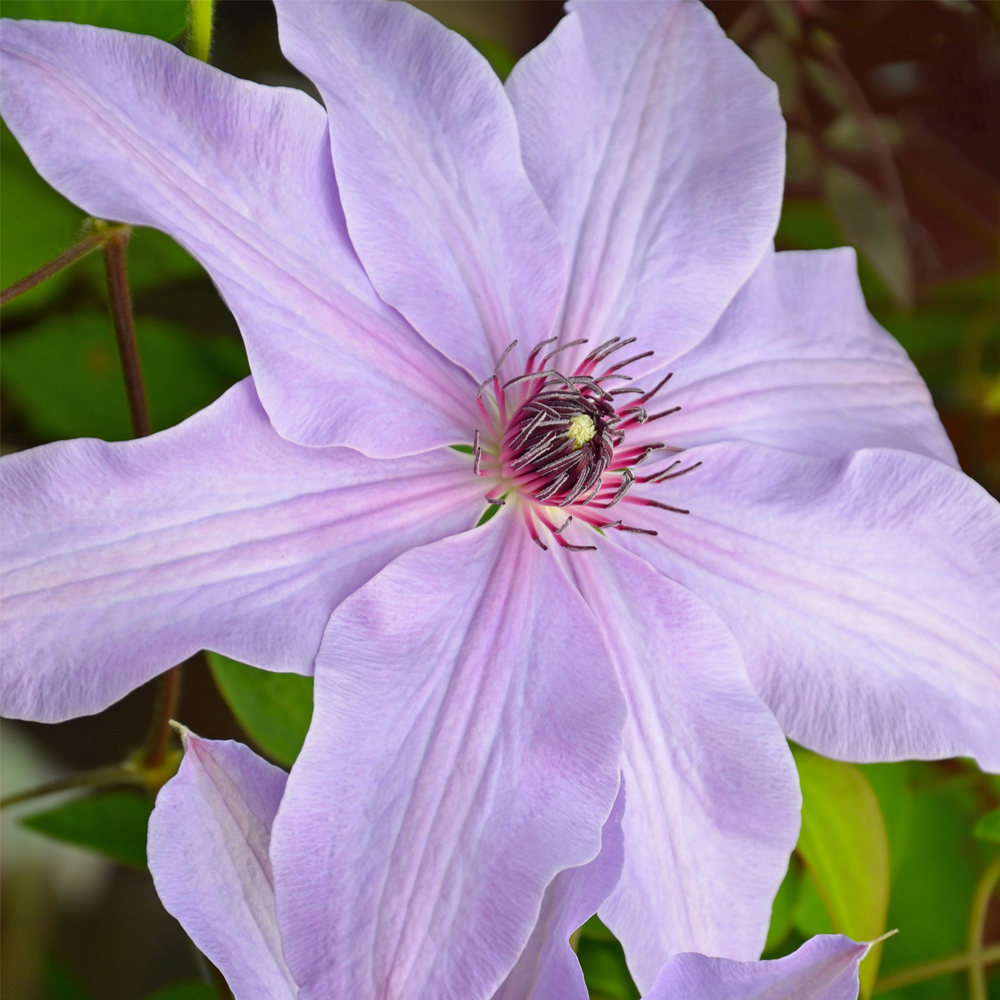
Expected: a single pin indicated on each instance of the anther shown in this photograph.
(564, 347)
(622, 364)
(665, 413)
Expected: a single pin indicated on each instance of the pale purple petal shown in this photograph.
(548, 968)
(428, 158)
(798, 362)
(658, 149)
(123, 559)
(131, 129)
(824, 968)
(712, 795)
(209, 837)
(464, 749)
(864, 592)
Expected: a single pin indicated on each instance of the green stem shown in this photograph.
(71, 256)
(99, 778)
(931, 970)
(977, 925)
(200, 28)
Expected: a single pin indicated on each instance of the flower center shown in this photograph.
(557, 441)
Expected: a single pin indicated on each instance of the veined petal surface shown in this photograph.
(824, 968)
(548, 968)
(464, 749)
(209, 837)
(864, 592)
(798, 362)
(131, 129)
(658, 148)
(712, 796)
(428, 159)
(123, 559)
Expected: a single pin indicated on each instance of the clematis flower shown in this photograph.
(209, 840)
(776, 538)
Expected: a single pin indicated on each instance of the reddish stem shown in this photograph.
(121, 312)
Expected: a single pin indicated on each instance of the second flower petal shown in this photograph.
(658, 149)
(863, 590)
(712, 796)
(464, 749)
(123, 559)
(428, 159)
(131, 129)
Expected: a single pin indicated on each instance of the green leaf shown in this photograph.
(845, 847)
(154, 259)
(892, 788)
(497, 54)
(810, 912)
(807, 225)
(65, 374)
(783, 910)
(927, 329)
(595, 930)
(164, 19)
(603, 962)
(932, 890)
(37, 225)
(988, 827)
(869, 225)
(113, 823)
(488, 514)
(185, 991)
(59, 984)
(775, 58)
(274, 709)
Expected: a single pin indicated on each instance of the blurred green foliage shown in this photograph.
(113, 823)
(988, 827)
(59, 984)
(67, 379)
(185, 991)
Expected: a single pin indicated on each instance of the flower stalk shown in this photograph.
(974, 960)
(121, 313)
(97, 235)
(200, 28)
(168, 689)
(133, 771)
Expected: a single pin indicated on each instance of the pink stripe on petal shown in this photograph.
(131, 129)
(123, 559)
(864, 592)
(712, 795)
(428, 159)
(658, 149)
(464, 750)
(798, 362)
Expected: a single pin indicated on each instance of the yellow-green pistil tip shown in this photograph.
(581, 430)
